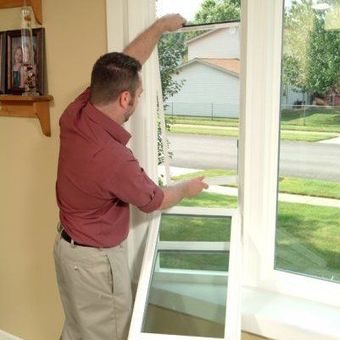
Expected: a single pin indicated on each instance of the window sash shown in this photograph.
(233, 320)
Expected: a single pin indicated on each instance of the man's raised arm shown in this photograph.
(142, 47)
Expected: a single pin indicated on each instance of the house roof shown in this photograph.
(230, 66)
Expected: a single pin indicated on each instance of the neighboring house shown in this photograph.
(211, 88)
(219, 43)
(290, 97)
(211, 77)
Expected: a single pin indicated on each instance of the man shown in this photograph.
(98, 177)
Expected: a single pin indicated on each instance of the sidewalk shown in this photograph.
(232, 191)
(335, 140)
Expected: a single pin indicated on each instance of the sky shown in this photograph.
(187, 8)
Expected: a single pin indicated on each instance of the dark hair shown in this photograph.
(112, 74)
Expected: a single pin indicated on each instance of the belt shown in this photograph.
(68, 239)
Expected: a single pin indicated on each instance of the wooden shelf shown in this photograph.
(28, 106)
(36, 6)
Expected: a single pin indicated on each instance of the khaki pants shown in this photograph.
(95, 291)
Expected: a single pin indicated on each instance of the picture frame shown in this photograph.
(14, 84)
(2, 62)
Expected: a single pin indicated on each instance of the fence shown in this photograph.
(212, 110)
(298, 114)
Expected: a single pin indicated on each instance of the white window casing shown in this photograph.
(259, 154)
(281, 293)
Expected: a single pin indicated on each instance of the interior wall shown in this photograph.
(29, 300)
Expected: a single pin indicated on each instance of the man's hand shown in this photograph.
(187, 189)
(143, 45)
(170, 22)
(194, 186)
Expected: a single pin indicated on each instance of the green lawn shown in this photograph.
(206, 130)
(233, 122)
(312, 119)
(305, 136)
(311, 125)
(308, 237)
(309, 187)
(290, 185)
(308, 240)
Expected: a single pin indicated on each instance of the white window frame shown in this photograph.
(232, 319)
(261, 31)
(259, 154)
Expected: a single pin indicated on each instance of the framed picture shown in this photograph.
(2, 62)
(15, 81)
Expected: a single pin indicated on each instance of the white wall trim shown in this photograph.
(283, 317)
(7, 336)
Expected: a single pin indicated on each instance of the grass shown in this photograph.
(308, 238)
(312, 125)
(313, 119)
(296, 136)
(309, 187)
(194, 228)
(290, 185)
(231, 122)
(215, 261)
(207, 130)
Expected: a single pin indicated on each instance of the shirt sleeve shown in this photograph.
(132, 185)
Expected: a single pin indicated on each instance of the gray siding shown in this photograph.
(224, 43)
(206, 92)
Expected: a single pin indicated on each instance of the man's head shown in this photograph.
(115, 77)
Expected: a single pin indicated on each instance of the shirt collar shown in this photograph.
(109, 125)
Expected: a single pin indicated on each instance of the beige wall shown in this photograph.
(29, 301)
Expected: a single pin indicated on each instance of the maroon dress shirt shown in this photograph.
(98, 177)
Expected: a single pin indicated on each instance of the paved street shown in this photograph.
(302, 159)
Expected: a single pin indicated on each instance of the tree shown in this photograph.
(298, 23)
(171, 49)
(218, 10)
(323, 70)
(311, 54)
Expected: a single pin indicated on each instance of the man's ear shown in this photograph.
(124, 99)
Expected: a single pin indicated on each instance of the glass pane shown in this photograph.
(194, 228)
(308, 225)
(188, 304)
(200, 72)
(188, 290)
(200, 11)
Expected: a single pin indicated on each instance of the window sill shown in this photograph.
(278, 316)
